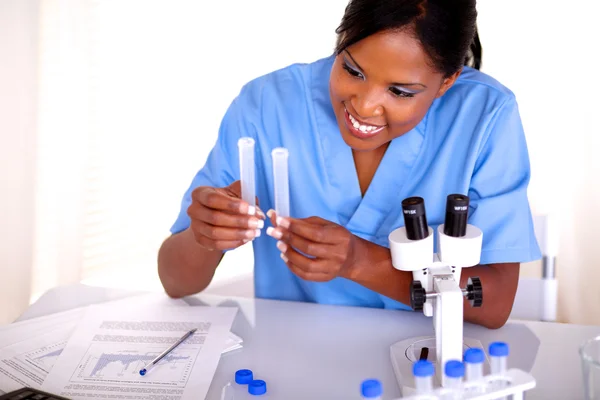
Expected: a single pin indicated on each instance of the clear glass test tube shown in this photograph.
(247, 174)
(281, 180)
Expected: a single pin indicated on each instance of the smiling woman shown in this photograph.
(395, 112)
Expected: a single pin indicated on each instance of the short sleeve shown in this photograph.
(222, 164)
(498, 191)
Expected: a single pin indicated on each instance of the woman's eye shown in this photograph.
(400, 93)
(352, 71)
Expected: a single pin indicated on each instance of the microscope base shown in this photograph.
(406, 352)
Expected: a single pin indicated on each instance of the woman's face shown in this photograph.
(381, 88)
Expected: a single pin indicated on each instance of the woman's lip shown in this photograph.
(357, 132)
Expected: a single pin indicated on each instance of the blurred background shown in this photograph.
(108, 109)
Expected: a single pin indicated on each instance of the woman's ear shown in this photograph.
(448, 82)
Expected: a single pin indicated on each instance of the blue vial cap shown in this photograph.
(474, 356)
(371, 388)
(257, 387)
(454, 369)
(498, 349)
(243, 376)
(423, 368)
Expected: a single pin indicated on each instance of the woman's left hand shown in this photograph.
(313, 248)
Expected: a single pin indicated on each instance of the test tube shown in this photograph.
(474, 364)
(423, 373)
(371, 389)
(498, 354)
(247, 174)
(281, 180)
(454, 371)
(415, 218)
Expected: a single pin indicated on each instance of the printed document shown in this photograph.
(28, 362)
(109, 347)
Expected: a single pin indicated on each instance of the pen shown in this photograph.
(167, 351)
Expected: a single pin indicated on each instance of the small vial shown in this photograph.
(423, 371)
(474, 364)
(498, 354)
(371, 389)
(454, 371)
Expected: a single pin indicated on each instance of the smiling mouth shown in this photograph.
(360, 129)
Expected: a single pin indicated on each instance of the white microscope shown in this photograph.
(435, 287)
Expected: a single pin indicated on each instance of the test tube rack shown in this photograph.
(511, 385)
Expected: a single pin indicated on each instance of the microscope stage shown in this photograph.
(405, 353)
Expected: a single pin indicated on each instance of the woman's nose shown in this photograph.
(367, 105)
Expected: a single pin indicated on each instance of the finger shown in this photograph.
(218, 200)
(309, 276)
(272, 217)
(215, 233)
(221, 245)
(304, 262)
(314, 249)
(223, 218)
(259, 212)
(314, 231)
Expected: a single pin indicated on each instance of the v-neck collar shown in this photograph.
(361, 214)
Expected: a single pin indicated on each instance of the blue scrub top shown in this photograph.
(471, 141)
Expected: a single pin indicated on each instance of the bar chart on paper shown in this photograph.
(107, 365)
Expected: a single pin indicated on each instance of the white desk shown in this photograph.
(307, 351)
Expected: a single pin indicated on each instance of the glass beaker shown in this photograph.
(590, 364)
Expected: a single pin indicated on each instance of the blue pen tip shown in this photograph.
(143, 372)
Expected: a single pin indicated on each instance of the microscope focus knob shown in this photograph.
(475, 291)
(417, 296)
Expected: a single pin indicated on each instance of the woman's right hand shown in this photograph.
(221, 220)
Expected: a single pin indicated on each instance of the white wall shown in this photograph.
(547, 53)
(18, 79)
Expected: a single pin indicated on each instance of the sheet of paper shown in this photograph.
(28, 329)
(108, 348)
(233, 342)
(28, 362)
(23, 330)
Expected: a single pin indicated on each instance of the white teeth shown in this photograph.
(362, 128)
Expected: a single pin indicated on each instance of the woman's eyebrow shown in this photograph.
(393, 83)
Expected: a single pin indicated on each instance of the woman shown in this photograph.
(394, 113)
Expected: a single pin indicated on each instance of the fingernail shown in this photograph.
(282, 246)
(256, 223)
(273, 232)
(270, 213)
(250, 234)
(283, 257)
(283, 222)
(251, 210)
(260, 213)
(257, 233)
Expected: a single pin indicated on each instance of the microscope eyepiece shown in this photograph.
(457, 213)
(415, 219)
